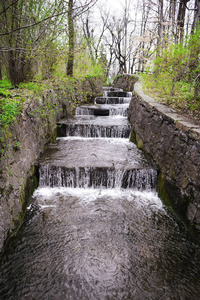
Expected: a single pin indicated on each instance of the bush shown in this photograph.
(175, 78)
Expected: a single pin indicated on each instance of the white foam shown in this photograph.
(142, 198)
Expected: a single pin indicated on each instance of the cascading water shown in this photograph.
(91, 126)
(95, 228)
(104, 110)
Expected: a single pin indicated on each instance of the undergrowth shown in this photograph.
(178, 95)
(12, 101)
(10, 106)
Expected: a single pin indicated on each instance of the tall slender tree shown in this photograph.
(181, 20)
(196, 20)
(71, 33)
(74, 10)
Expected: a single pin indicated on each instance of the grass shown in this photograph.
(177, 95)
(36, 87)
(9, 109)
(11, 100)
(10, 106)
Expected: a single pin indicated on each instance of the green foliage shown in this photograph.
(84, 65)
(51, 58)
(5, 87)
(29, 44)
(5, 84)
(16, 146)
(9, 109)
(95, 71)
(180, 61)
(160, 88)
(9, 106)
(173, 79)
(36, 87)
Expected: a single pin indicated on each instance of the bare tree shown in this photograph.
(172, 14)
(75, 9)
(70, 62)
(160, 23)
(93, 35)
(196, 20)
(181, 20)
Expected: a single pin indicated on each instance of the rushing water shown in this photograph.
(95, 228)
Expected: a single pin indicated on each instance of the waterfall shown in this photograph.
(125, 166)
(99, 177)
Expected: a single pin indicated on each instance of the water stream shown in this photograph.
(95, 227)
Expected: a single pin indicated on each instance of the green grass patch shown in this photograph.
(5, 84)
(10, 105)
(34, 88)
(5, 88)
(9, 109)
(178, 95)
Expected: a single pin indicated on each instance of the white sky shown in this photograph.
(113, 5)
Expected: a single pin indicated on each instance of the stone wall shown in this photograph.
(125, 82)
(174, 144)
(26, 139)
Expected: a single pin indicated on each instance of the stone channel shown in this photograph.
(95, 227)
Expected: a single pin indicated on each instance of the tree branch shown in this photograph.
(3, 11)
(31, 25)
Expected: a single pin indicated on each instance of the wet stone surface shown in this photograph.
(117, 153)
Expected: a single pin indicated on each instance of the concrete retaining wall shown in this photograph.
(174, 144)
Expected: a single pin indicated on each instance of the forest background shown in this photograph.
(46, 42)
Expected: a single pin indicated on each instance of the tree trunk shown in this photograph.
(196, 21)
(161, 20)
(181, 20)
(70, 62)
(172, 15)
(1, 76)
(196, 89)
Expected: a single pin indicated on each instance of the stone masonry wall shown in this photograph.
(174, 144)
(26, 139)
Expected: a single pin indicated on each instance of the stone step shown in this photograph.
(112, 100)
(74, 162)
(91, 126)
(103, 110)
(117, 94)
(112, 89)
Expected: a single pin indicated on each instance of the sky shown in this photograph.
(113, 5)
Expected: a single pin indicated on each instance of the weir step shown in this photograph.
(103, 110)
(99, 177)
(112, 89)
(91, 126)
(112, 100)
(73, 162)
(117, 94)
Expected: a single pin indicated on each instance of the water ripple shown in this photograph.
(86, 244)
